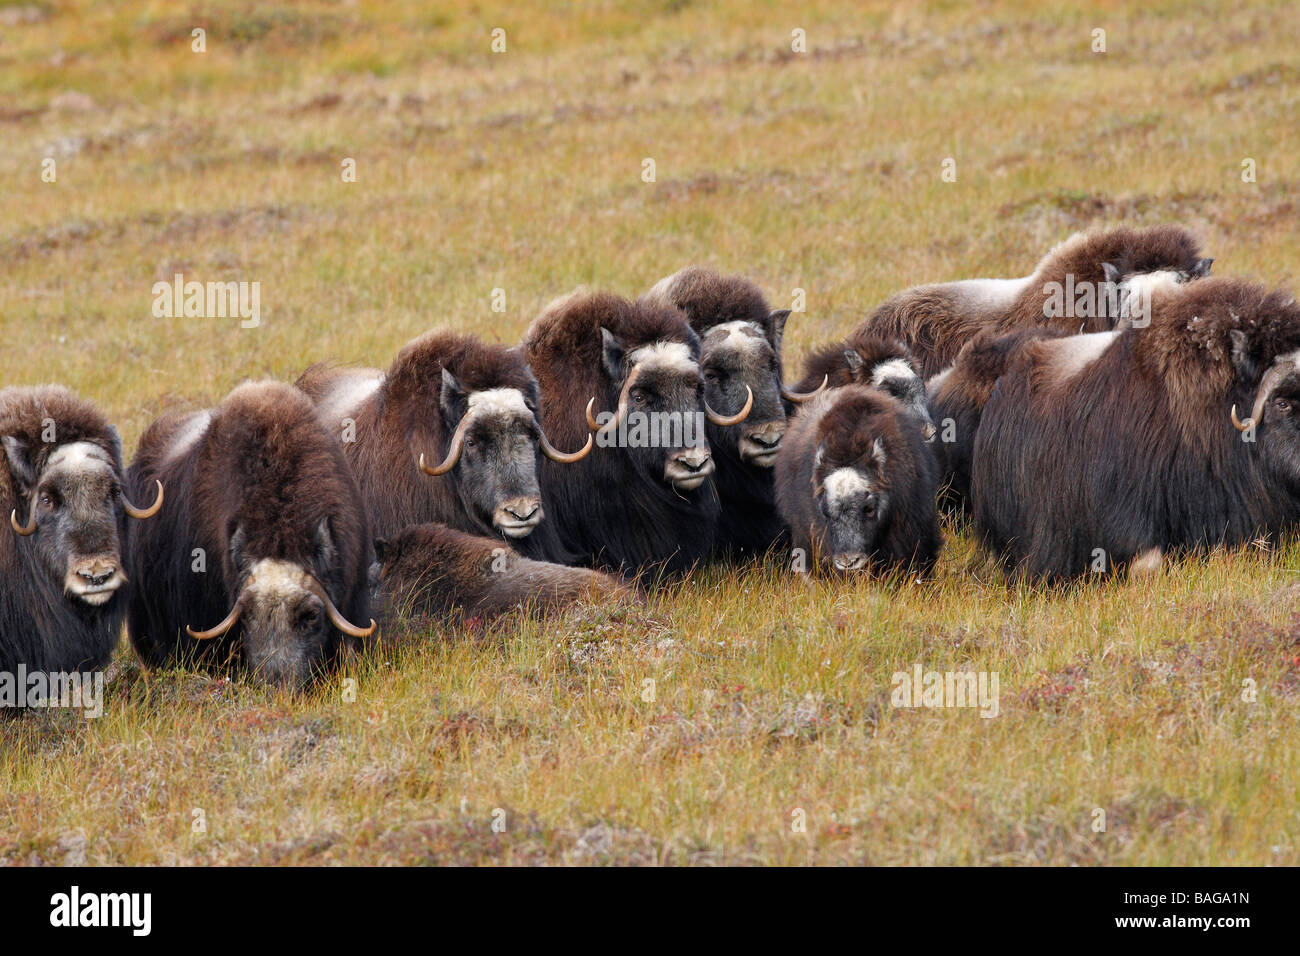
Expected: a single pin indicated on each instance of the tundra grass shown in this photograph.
(745, 715)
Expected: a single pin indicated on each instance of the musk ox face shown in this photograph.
(1274, 413)
(658, 422)
(74, 521)
(852, 499)
(896, 376)
(738, 361)
(286, 625)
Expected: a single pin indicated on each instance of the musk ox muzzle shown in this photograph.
(687, 469)
(517, 517)
(760, 444)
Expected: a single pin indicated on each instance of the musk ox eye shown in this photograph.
(1283, 405)
(638, 397)
(47, 502)
(869, 509)
(712, 377)
(470, 441)
(308, 618)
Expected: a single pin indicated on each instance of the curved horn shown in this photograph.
(553, 453)
(591, 419)
(735, 419)
(453, 453)
(612, 425)
(1266, 385)
(336, 616)
(30, 529)
(143, 513)
(800, 397)
(221, 628)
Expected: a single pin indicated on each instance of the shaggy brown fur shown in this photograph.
(829, 362)
(935, 321)
(434, 572)
(1135, 451)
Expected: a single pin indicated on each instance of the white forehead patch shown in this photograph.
(741, 335)
(1074, 354)
(498, 402)
(187, 436)
(79, 456)
(1143, 284)
(895, 369)
(845, 482)
(668, 356)
(270, 580)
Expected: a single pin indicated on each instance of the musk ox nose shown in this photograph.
(760, 445)
(855, 561)
(688, 469)
(517, 517)
(94, 580)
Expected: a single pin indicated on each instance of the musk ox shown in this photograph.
(448, 434)
(61, 558)
(740, 356)
(1105, 451)
(868, 358)
(1086, 284)
(856, 483)
(642, 499)
(430, 571)
(262, 553)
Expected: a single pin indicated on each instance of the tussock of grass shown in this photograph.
(522, 171)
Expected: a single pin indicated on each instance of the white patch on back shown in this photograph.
(1072, 355)
(668, 356)
(272, 581)
(988, 294)
(844, 482)
(498, 402)
(935, 382)
(347, 396)
(188, 435)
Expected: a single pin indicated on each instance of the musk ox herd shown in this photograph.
(1115, 405)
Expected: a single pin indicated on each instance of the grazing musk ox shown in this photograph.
(740, 356)
(451, 399)
(856, 483)
(61, 576)
(262, 553)
(1084, 284)
(1105, 451)
(643, 498)
(432, 571)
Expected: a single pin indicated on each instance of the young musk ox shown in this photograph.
(430, 571)
(450, 399)
(869, 358)
(1105, 451)
(740, 356)
(856, 483)
(642, 500)
(262, 553)
(61, 576)
(1085, 284)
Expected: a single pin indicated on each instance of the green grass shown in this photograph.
(522, 171)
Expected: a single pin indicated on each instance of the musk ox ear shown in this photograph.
(382, 547)
(1112, 273)
(115, 445)
(1241, 360)
(374, 575)
(326, 553)
(1201, 269)
(20, 464)
(452, 397)
(776, 320)
(853, 360)
(238, 540)
(878, 453)
(612, 352)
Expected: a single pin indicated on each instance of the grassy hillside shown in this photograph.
(522, 171)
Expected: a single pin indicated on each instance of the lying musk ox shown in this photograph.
(642, 499)
(430, 571)
(856, 483)
(1105, 451)
(740, 356)
(1085, 284)
(61, 576)
(449, 434)
(262, 553)
(868, 358)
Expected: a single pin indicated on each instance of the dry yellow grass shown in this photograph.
(522, 171)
